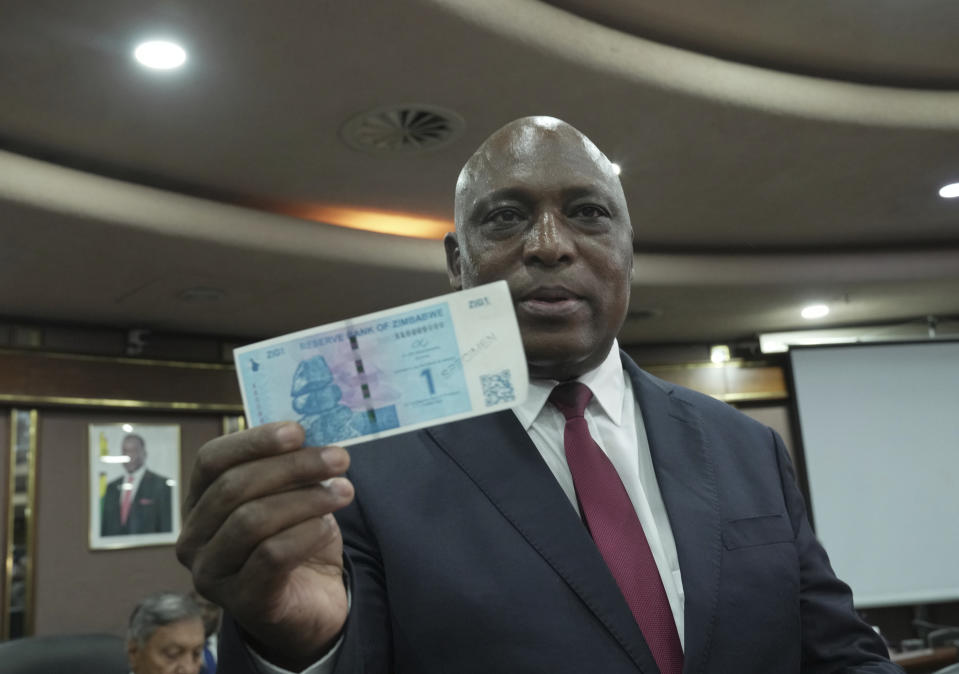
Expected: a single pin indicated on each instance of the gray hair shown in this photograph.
(158, 610)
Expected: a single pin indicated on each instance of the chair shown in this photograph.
(951, 669)
(73, 653)
(944, 636)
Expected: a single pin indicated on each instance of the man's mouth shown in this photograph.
(549, 302)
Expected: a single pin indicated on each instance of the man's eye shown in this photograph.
(590, 211)
(505, 216)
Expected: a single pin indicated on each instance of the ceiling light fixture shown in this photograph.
(950, 191)
(160, 54)
(814, 311)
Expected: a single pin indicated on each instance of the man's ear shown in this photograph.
(453, 268)
(132, 650)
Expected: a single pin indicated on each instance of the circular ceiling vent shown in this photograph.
(402, 129)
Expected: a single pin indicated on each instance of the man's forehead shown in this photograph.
(534, 149)
(178, 629)
(531, 138)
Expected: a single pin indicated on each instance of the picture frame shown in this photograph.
(142, 460)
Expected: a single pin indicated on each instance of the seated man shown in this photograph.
(166, 635)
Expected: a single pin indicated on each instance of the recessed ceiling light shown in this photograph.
(616, 169)
(160, 54)
(815, 311)
(950, 191)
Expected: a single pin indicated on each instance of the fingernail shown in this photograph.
(341, 487)
(288, 435)
(334, 457)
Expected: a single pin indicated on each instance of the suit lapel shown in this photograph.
(499, 457)
(687, 482)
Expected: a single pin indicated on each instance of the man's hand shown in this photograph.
(260, 539)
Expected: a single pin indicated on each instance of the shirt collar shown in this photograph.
(606, 382)
(136, 475)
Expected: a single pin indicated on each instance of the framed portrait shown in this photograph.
(134, 485)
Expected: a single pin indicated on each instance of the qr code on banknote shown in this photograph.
(497, 388)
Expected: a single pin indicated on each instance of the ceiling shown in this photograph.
(772, 155)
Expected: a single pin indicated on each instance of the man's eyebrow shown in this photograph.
(580, 191)
(525, 196)
(503, 194)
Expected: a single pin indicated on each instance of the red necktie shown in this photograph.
(126, 500)
(615, 528)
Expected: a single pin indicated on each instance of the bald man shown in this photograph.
(480, 546)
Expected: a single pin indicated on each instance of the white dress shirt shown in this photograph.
(616, 424)
(137, 476)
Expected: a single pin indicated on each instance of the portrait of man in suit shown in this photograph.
(139, 502)
(613, 522)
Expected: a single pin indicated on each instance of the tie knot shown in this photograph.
(571, 399)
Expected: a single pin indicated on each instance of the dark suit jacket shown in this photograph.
(150, 512)
(465, 555)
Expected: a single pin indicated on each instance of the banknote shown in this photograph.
(447, 358)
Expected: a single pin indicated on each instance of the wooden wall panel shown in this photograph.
(79, 590)
(4, 496)
(732, 382)
(64, 379)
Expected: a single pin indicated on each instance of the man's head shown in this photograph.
(166, 636)
(134, 447)
(539, 206)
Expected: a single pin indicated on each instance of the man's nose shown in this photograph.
(187, 666)
(550, 241)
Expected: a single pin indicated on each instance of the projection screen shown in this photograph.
(880, 435)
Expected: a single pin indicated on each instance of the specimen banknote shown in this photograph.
(450, 357)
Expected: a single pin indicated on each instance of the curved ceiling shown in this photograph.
(903, 44)
(748, 186)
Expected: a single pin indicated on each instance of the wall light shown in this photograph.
(160, 54)
(950, 191)
(383, 222)
(814, 311)
(616, 169)
(719, 353)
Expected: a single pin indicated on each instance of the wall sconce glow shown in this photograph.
(950, 191)
(160, 55)
(815, 311)
(382, 222)
(616, 169)
(719, 353)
